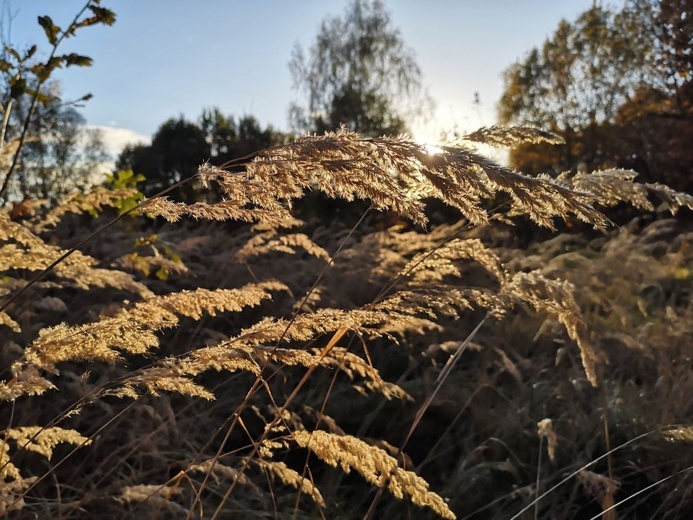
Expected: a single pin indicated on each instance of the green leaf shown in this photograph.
(126, 179)
(52, 31)
(13, 52)
(5, 66)
(147, 240)
(54, 63)
(101, 15)
(172, 255)
(30, 52)
(162, 274)
(105, 16)
(40, 71)
(78, 60)
(128, 203)
(44, 99)
(17, 87)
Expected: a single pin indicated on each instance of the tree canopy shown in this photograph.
(616, 84)
(62, 154)
(358, 72)
(585, 71)
(179, 147)
(42, 131)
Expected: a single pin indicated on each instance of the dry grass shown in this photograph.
(313, 347)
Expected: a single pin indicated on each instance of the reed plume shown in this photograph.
(372, 294)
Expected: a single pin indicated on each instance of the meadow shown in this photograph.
(347, 327)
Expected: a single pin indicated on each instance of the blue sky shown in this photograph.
(164, 58)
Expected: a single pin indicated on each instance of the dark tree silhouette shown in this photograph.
(179, 147)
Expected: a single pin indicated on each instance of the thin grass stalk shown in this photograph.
(605, 424)
(575, 473)
(257, 383)
(56, 420)
(278, 417)
(395, 280)
(306, 469)
(646, 488)
(266, 472)
(331, 344)
(320, 277)
(5, 123)
(235, 415)
(66, 457)
(198, 495)
(52, 423)
(420, 413)
(538, 481)
(462, 409)
(176, 478)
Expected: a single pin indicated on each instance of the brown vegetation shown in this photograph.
(437, 365)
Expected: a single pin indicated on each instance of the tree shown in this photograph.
(585, 72)
(179, 147)
(230, 138)
(61, 155)
(615, 84)
(359, 73)
(674, 24)
(26, 93)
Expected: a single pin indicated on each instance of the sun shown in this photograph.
(432, 149)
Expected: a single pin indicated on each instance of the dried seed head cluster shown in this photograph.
(132, 331)
(436, 265)
(422, 281)
(295, 479)
(394, 173)
(272, 242)
(21, 249)
(556, 299)
(609, 187)
(92, 202)
(502, 136)
(373, 464)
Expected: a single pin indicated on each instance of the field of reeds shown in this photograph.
(351, 328)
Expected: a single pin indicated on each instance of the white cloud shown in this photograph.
(115, 139)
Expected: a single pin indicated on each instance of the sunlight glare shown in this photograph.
(432, 149)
